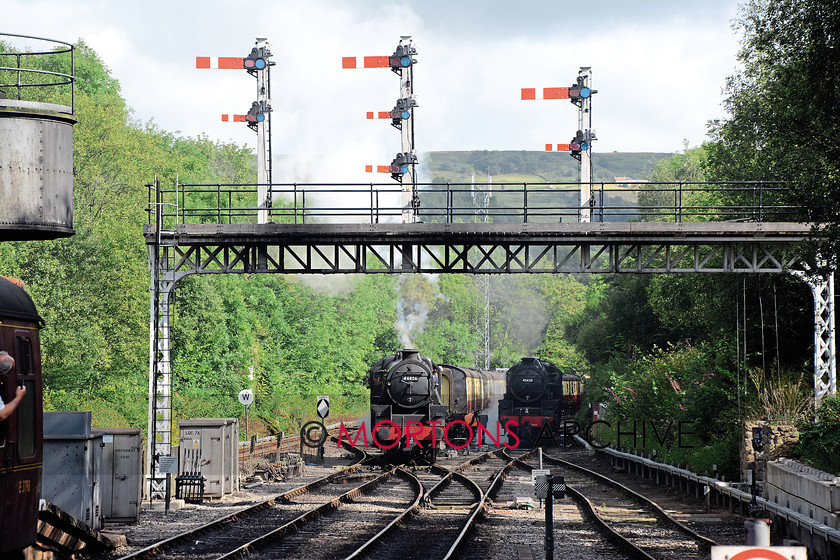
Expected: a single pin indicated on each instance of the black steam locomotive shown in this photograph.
(415, 403)
(537, 394)
(21, 434)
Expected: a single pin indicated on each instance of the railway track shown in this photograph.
(628, 520)
(456, 497)
(330, 531)
(362, 512)
(450, 498)
(230, 531)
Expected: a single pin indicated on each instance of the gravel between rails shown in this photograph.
(498, 536)
(718, 523)
(508, 532)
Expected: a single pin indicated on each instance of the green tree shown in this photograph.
(819, 443)
(784, 108)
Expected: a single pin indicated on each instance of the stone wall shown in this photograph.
(779, 441)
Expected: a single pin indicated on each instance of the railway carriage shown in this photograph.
(21, 435)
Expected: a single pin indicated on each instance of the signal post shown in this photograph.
(580, 93)
(403, 166)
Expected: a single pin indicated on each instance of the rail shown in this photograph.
(373, 203)
(815, 535)
(34, 76)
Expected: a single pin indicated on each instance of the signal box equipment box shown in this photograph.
(210, 448)
(122, 474)
(72, 478)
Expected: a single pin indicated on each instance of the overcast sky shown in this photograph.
(659, 67)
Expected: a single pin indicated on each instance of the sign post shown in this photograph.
(246, 397)
(322, 407)
(548, 486)
(168, 466)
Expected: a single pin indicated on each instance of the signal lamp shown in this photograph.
(401, 57)
(257, 113)
(579, 91)
(400, 165)
(256, 60)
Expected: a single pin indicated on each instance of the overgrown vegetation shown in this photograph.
(819, 443)
(737, 348)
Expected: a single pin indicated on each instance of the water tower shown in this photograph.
(37, 113)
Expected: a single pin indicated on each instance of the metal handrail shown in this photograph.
(452, 203)
(62, 78)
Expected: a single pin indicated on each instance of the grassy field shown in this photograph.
(542, 167)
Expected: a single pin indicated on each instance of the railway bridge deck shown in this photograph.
(481, 248)
(528, 228)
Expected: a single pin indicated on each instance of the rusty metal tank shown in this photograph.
(36, 142)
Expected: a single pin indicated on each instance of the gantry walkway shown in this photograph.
(474, 229)
(480, 248)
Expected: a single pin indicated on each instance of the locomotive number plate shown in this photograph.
(410, 378)
(527, 380)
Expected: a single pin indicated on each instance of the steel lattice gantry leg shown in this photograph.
(825, 357)
(160, 378)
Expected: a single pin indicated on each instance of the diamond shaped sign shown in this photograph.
(323, 406)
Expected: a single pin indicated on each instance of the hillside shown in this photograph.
(518, 166)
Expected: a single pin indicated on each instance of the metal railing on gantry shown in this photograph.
(372, 203)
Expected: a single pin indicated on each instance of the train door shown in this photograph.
(7, 499)
(21, 435)
(27, 418)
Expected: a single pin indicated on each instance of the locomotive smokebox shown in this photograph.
(36, 170)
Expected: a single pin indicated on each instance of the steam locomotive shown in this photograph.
(21, 434)
(538, 394)
(415, 403)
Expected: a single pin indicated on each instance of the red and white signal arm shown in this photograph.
(323, 406)
(759, 553)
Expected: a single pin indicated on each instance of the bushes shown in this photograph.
(819, 444)
(683, 384)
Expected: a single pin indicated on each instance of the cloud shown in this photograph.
(658, 66)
